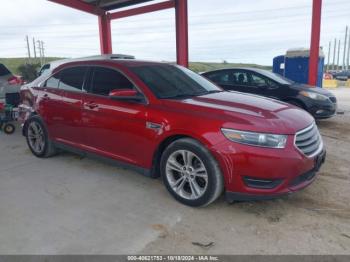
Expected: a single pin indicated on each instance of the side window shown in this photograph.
(106, 79)
(241, 78)
(221, 78)
(53, 81)
(44, 69)
(262, 81)
(258, 81)
(72, 79)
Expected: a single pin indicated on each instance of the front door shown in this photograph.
(115, 129)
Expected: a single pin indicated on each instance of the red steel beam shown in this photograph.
(104, 25)
(181, 15)
(315, 41)
(80, 5)
(142, 10)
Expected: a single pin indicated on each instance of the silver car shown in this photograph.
(9, 83)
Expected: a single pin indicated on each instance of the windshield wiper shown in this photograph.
(180, 96)
(211, 92)
(183, 96)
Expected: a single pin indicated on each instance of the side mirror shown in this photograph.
(126, 95)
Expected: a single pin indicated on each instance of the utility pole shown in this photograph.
(335, 49)
(338, 55)
(348, 63)
(43, 51)
(34, 48)
(40, 52)
(28, 48)
(344, 56)
(329, 55)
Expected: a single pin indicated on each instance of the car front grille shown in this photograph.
(333, 99)
(309, 140)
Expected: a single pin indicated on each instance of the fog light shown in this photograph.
(318, 112)
(261, 183)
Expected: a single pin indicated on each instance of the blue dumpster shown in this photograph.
(296, 66)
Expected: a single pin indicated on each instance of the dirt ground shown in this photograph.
(313, 221)
(70, 205)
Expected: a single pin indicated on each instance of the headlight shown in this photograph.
(313, 95)
(255, 139)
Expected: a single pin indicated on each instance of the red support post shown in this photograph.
(104, 24)
(315, 41)
(181, 15)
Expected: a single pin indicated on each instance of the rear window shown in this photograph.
(4, 71)
(72, 79)
(44, 69)
(53, 81)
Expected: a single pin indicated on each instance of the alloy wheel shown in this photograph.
(36, 137)
(186, 174)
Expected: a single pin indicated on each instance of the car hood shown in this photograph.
(244, 112)
(303, 87)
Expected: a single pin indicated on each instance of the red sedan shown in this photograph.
(165, 120)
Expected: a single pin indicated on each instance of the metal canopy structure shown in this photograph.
(104, 10)
(109, 5)
(107, 10)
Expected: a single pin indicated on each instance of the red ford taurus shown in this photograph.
(164, 120)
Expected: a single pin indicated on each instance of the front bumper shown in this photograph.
(298, 183)
(253, 173)
(320, 110)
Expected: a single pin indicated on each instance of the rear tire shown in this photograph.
(190, 173)
(38, 139)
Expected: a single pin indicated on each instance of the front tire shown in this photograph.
(38, 139)
(190, 173)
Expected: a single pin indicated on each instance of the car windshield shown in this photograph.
(276, 77)
(172, 81)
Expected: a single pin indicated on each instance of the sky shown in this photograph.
(237, 31)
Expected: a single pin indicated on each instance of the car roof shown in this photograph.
(122, 62)
(57, 63)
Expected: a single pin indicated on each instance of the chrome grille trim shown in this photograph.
(309, 141)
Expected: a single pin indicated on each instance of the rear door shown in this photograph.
(67, 119)
(50, 104)
(115, 129)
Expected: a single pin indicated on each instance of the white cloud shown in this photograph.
(251, 31)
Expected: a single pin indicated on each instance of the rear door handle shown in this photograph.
(91, 105)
